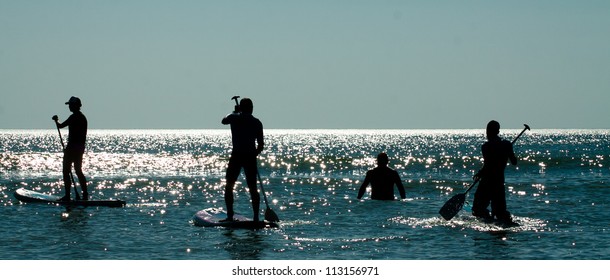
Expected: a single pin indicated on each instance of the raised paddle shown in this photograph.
(236, 97)
(61, 139)
(455, 204)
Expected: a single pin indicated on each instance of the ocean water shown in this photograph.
(559, 193)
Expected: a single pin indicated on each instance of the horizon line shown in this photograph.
(480, 128)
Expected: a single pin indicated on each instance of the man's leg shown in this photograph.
(229, 199)
(498, 205)
(232, 174)
(256, 199)
(481, 202)
(78, 168)
(67, 165)
(251, 171)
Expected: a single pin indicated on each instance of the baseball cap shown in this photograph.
(74, 100)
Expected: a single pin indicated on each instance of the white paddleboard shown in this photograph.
(34, 196)
(212, 217)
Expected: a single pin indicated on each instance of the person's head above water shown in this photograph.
(246, 106)
(382, 159)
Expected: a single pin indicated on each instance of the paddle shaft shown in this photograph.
(262, 189)
(270, 215)
(527, 127)
(472, 185)
(63, 147)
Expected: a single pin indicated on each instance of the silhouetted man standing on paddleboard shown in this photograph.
(496, 153)
(382, 180)
(248, 142)
(73, 152)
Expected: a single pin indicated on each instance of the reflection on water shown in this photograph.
(294, 155)
(244, 244)
(557, 192)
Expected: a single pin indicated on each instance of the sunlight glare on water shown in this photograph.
(557, 194)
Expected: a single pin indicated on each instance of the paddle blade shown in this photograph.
(452, 206)
(271, 216)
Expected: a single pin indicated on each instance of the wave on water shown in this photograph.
(470, 222)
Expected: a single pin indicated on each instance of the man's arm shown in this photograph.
(260, 141)
(401, 188)
(365, 184)
(227, 119)
(511, 156)
(483, 169)
(61, 125)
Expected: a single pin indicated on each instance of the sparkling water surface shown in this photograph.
(559, 194)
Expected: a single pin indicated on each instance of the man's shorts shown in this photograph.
(239, 161)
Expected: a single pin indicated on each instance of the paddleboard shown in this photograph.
(212, 217)
(37, 197)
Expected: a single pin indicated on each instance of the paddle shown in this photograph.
(269, 214)
(455, 204)
(61, 139)
(236, 102)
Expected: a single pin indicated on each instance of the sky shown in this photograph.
(307, 64)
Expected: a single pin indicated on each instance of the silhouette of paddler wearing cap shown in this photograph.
(73, 153)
